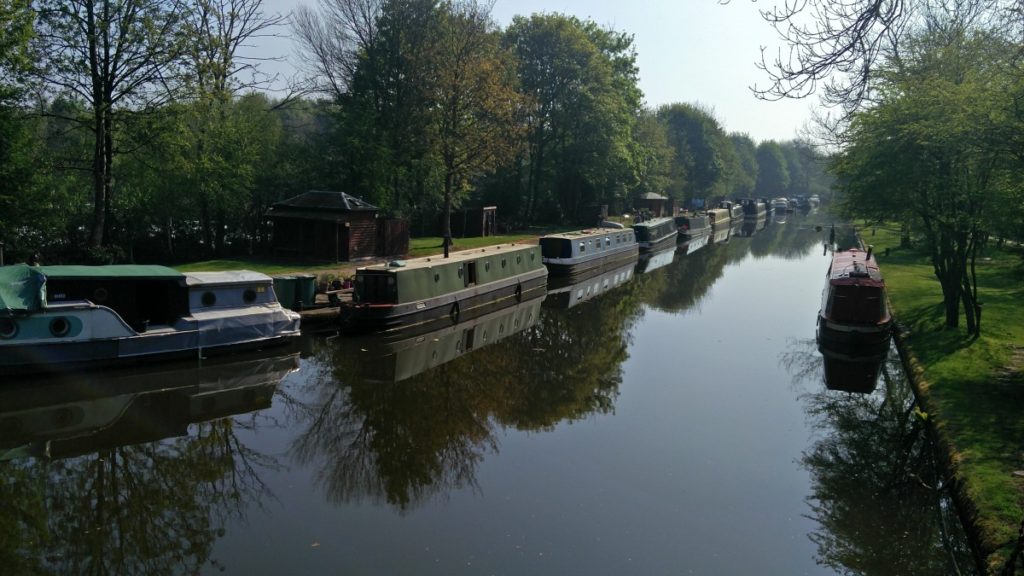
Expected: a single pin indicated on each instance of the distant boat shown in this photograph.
(692, 226)
(577, 253)
(413, 294)
(754, 209)
(854, 312)
(55, 317)
(653, 234)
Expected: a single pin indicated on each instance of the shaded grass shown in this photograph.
(975, 385)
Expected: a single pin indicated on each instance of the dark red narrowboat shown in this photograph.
(854, 308)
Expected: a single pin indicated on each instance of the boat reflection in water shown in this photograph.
(73, 416)
(401, 356)
(693, 245)
(654, 260)
(851, 369)
(753, 226)
(567, 296)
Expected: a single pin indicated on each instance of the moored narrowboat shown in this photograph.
(854, 310)
(53, 317)
(655, 233)
(692, 226)
(577, 253)
(735, 209)
(754, 209)
(414, 294)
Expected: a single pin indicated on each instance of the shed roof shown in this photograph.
(319, 200)
(653, 196)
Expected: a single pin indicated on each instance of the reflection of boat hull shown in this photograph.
(83, 413)
(850, 369)
(394, 357)
(693, 245)
(651, 262)
(564, 295)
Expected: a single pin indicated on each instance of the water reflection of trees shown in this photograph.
(878, 491)
(407, 442)
(123, 500)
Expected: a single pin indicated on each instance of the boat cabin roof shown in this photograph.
(853, 267)
(585, 233)
(453, 257)
(229, 277)
(135, 271)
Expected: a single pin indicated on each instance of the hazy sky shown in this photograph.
(696, 51)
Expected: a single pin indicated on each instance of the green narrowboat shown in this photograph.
(418, 293)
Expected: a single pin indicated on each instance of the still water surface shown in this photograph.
(668, 418)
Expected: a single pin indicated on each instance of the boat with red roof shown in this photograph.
(854, 308)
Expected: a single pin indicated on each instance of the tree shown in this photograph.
(116, 56)
(476, 120)
(931, 145)
(701, 147)
(773, 173)
(744, 177)
(581, 85)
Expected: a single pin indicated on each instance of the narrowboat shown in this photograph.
(54, 317)
(769, 209)
(692, 226)
(72, 414)
(735, 209)
(398, 357)
(567, 296)
(854, 312)
(753, 209)
(414, 294)
(577, 253)
(654, 233)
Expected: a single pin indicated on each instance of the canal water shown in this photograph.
(666, 418)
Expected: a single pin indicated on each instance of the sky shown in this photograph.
(695, 51)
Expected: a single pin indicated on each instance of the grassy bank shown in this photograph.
(975, 386)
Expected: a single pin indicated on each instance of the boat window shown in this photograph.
(437, 277)
(607, 241)
(60, 326)
(583, 247)
(249, 296)
(487, 266)
(8, 328)
(209, 299)
(471, 273)
(503, 263)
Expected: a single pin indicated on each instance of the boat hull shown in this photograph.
(450, 308)
(579, 269)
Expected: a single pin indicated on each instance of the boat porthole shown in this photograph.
(437, 277)
(100, 295)
(60, 327)
(249, 296)
(209, 299)
(533, 255)
(8, 328)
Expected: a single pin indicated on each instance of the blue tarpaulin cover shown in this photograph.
(21, 289)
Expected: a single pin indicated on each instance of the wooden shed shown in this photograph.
(657, 205)
(473, 222)
(325, 225)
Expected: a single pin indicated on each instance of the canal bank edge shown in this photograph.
(991, 557)
(946, 450)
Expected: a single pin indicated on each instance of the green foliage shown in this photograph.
(773, 171)
(705, 156)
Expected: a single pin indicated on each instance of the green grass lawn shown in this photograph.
(975, 384)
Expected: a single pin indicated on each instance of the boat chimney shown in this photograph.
(870, 248)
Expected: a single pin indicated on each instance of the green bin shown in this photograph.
(285, 288)
(305, 290)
